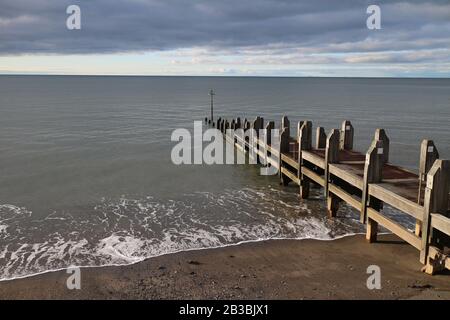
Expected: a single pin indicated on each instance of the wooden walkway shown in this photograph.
(365, 181)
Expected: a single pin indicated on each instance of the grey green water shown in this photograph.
(86, 176)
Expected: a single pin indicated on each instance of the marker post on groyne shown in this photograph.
(367, 182)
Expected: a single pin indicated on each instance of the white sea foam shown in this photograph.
(125, 231)
(121, 249)
(3, 228)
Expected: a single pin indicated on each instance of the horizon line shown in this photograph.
(219, 76)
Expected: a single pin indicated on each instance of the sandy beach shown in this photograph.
(275, 269)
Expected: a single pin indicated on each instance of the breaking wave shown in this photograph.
(125, 231)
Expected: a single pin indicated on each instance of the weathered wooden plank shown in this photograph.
(292, 162)
(273, 151)
(314, 159)
(440, 222)
(344, 172)
(345, 196)
(273, 162)
(352, 162)
(313, 176)
(378, 190)
(399, 180)
(290, 175)
(395, 228)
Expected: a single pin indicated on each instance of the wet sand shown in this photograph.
(275, 269)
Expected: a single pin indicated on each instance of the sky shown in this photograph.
(327, 38)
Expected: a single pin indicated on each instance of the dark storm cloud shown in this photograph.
(38, 26)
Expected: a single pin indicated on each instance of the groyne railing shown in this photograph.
(365, 181)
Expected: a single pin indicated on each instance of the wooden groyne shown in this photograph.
(367, 182)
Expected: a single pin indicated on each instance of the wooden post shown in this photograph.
(299, 126)
(256, 125)
(304, 143)
(285, 123)
(321, 138)
(268, 139)
(246, 124)
(284, 148)
(380, 134)
(218, 123)
(428, 154)
(346, 139)
(436, 201)
(253, 123)
(305, 135)
(331, 153)
(373, 173)
(331, 156)
(238, 123)
(269, 127)
(261, 127)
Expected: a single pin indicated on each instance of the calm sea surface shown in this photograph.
(86, 176)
